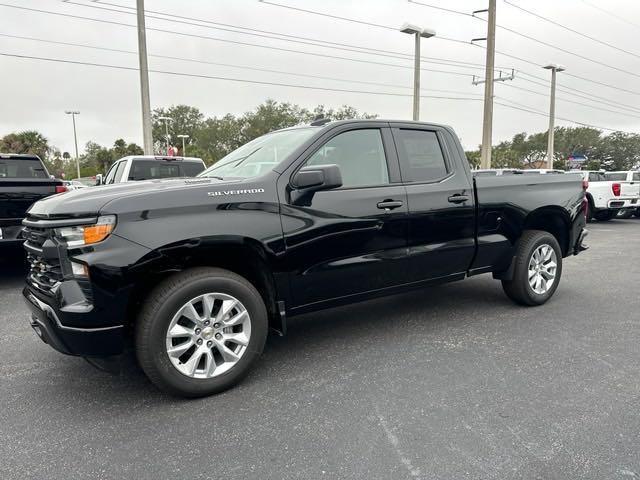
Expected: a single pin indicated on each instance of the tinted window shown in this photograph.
(360, 156)
(21, 168)
(618, 177)
(191, 169)
(596, 177)
(150, 169)
(421, 158)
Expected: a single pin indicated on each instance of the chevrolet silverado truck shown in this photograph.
(23, 181)
(192, 273)
(632, 179)
(607, 198)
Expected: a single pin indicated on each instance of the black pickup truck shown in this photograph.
(193, 272)
(23, 181)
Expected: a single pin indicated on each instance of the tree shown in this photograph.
(185, 120)
(28, 141)
(619, 151)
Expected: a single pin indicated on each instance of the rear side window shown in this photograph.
(191, 169)
(421, 157)
(636, 177)
(616, 177)
(596, 177)
(151, 169)
(21, 168)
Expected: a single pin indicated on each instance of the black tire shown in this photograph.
(636, 212)
(605, 215)
(624, 214)
(164, 302)
(518, 288)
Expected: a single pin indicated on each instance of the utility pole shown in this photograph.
(73, 114)
(487, 123)
(552, 112)
(184, 148)
(166, 121)
(144, 81)
(418, 33)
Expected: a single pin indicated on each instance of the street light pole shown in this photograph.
(418, 33)
(166, 129)
(73, 114)
(144, 81)
(552, 112)
(184, 148)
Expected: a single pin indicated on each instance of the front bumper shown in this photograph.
(47, 321)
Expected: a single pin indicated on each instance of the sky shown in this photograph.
(35, 93)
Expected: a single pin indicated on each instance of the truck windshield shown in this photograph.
(21, 168)
(260, 155)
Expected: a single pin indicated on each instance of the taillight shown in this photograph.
(616, 189)
(61, 189)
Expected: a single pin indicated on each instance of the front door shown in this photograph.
(353, 239)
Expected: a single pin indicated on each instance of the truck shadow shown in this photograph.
(357, 327)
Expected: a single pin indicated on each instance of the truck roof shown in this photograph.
(25, 156)
(162, 158)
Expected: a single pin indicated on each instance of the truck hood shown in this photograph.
(89, 201)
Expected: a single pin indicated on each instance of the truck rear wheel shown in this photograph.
(200, 331)
(537, 269)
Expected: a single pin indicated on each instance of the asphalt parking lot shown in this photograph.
(445, 383)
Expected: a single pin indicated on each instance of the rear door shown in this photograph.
(349, 240)
(441, 203)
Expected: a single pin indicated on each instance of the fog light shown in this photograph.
(79, 269)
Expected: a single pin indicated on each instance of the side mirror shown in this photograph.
(98, 179)
(317, 177)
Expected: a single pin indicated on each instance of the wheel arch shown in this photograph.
(554, 220)
(244, 256)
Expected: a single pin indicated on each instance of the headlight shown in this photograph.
(87, 234)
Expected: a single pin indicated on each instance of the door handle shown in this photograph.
(458, 198)
(389, 204)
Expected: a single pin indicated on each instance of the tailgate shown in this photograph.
(17, 195)
(629, 189)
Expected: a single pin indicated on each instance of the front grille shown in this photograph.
(44, 273)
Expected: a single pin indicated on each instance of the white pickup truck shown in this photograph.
(633, 178)
(150, 167)
(607, 197)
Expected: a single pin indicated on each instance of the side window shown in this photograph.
(421, 157)
(596, 177)
(636, 177)
(119, 171)
(110, 174)
(360, 156)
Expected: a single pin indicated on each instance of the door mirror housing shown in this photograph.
(314, 178)
(98, 179)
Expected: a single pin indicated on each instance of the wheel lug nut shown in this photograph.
(218, 336)
(207, 322)
(209, 343)
(199, 342)
(216, 325)
(198, 331)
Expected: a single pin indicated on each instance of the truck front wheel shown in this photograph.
(537, 269)
(199, 331)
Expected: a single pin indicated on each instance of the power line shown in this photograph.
(577, 32)
(526, 108)
(270, 34)
(206, 62)
(230, 79)
(570, 101)
(542, 42)
(504, 54)
(611, 14)
(235, 42)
